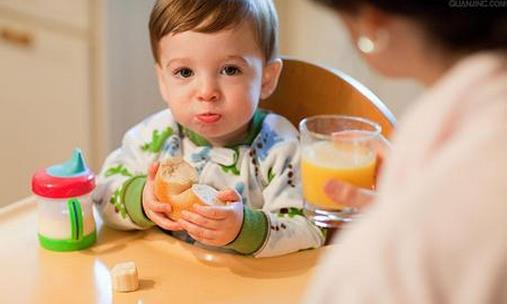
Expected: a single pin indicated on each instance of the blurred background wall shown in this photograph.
(79, 73)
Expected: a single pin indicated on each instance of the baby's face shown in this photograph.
(212, 81)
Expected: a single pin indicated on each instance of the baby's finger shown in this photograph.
(200, 220)
(152, 170)
(157, 206)
(204, 241)
(150, 200)
(228, 195)
(163, 221)
(196, 231)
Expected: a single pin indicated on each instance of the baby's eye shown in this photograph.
(230, 70)
(184, 73)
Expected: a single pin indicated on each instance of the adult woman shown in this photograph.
(437, 231)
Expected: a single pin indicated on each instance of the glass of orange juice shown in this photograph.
(336, 147)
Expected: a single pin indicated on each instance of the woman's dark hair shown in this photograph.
(457, 25)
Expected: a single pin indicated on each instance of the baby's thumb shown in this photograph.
(228, 195)
(152, 170)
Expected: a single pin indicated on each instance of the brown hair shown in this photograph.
(210, 16)
(453, 24)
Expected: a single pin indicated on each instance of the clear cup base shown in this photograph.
(326, 218)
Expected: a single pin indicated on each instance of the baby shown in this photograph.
(215, 60)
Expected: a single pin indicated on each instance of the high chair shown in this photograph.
(306, 89)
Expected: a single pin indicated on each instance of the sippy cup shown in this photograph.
(63, 194)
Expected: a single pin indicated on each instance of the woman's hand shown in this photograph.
(155, 210)
(351, 196)
(215, 225)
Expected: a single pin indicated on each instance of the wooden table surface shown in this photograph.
(170, 271)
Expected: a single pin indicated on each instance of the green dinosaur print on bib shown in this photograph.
(119, 206)
(120, 169)
(233, 168)
(158, 139)
(271, 175)
(290, 212)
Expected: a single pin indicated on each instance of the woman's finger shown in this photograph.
(379, 165)
(382, 148)
(345, 194)
(338, 191)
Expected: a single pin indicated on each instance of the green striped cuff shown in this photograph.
(253, 233)
(132, 196)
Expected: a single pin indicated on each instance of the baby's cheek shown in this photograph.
(183, 115)
(242, 115)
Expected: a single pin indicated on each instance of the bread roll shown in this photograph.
(175, 184)
(173, 177)
(124, 277)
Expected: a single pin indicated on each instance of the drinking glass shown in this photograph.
(336, 147)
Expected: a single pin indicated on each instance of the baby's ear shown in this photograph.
(270, 77)
(161, 83)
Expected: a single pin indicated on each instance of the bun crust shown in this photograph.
(175, 184)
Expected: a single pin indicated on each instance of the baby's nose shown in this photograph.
(209, 90)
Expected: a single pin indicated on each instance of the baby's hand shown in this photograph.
(155, 210)
(215, 225)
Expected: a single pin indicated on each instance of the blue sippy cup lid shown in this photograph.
(73, 167)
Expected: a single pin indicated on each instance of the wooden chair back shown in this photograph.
(306, 89)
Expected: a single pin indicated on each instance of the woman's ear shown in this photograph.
(162, 87)
(270, 77)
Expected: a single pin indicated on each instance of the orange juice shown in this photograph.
(325, 160)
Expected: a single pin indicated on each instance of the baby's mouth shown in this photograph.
(208, 117)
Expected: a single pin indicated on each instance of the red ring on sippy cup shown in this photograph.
(49, 186)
